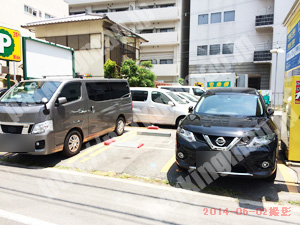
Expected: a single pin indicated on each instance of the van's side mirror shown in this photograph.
(171, 103)
(61, 100)
(191, 109)
(270, 112)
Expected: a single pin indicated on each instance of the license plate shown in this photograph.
(213, 161)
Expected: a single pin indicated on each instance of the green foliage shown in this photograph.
(181, 81)
(138, 76)
(110, 69)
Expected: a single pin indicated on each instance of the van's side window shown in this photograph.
(98, 91)
(139, 96)
(119, 89)
(71, 91)
(159, 97)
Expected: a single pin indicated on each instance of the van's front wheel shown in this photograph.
(73, 143)
(120, 126)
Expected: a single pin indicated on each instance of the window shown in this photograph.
(174, 89)
(48, 16)
(154, 61)
(34, 12)
(120, 9)
(147, 31)
(166, 30)
(216, 17)
(40, 13)
(159, 97)
(61, 40)
(202, 50)
(84, 42)
(166, 61)
(214, 49)
(30, 10)
(139, 96)
(119, 90)
(229, 16)
(198, 91)
(71, 91)
(166, 5)
(101, 11)
(228, 48)
(98, 91)
(203, 19)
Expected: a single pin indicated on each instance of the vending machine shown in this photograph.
(290, 132)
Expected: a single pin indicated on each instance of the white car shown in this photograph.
(157, 106)
(190, 99)
(194, 90)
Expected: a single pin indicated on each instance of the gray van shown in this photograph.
(44, 116)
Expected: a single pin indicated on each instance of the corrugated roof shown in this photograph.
(79, 18)
(73, 18)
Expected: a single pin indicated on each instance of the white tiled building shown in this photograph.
(14, 13)
(156, 21)
(237, 36)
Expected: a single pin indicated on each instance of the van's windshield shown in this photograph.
(31, 92)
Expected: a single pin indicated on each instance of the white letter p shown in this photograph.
(4, 44)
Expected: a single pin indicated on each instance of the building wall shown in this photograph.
(86, 61)
(241, 32)
(13, 15)
(161, 45)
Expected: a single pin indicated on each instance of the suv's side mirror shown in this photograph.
(270, 112)
(61, 100)
(191, 109)
(171, 103)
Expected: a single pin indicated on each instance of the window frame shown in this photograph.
(199, 16)
(198, 50)
(228, 21)
(210, 49)
(216, 13)
(132, 95)
(228, 44)
(70, 83)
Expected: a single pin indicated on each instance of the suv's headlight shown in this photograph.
(43, 127)
(187, 135)
(262, 140)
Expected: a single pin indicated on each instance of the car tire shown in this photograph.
(120, 126)
(272, 177)
(178, 120)
(73, 143)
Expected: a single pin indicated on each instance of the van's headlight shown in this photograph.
(43, 127)
(187, 135)
(262, 140)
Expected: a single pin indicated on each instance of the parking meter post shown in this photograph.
(8, 76)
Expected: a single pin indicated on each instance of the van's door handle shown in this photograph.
(152, 107)
(93, 109)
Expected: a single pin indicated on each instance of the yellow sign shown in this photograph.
(10, 44)
(199, 84)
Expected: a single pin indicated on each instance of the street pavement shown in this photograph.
(155, 162)
(32, 195)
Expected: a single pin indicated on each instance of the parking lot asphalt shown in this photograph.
(155, 160)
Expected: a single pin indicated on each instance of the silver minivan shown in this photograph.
(44, 116)
(157, 106)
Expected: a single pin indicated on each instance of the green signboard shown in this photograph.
(217, 84)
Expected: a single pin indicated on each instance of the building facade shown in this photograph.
(94, 38)
(156, 21)
(237, 36)
(15, 13)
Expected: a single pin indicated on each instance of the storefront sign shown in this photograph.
(10, 44)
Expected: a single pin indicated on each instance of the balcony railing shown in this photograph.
(264, 20)
(262, 56)
(167, 38)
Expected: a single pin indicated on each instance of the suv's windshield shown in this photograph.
(230, 105)
(31, 92)
(176, 98)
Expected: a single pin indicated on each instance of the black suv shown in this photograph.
(229, 132)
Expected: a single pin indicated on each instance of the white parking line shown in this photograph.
(22, 219)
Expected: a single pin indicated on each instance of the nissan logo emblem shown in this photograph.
(220, 141)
